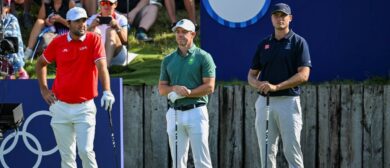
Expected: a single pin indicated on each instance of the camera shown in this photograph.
(8, 45)
(104, 19)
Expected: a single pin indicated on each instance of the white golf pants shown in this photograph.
(74, 123)
(193, 126)
(285, 120)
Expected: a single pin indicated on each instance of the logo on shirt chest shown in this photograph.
(65, 50)
(266, 47)
(83, 48)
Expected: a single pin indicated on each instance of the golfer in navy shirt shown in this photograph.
(280, 64)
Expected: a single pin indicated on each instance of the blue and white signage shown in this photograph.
(34, 144)
(235, 13)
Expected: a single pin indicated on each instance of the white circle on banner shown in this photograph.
(25, 135)
(236, 13)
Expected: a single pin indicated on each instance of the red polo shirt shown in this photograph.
(76, 72)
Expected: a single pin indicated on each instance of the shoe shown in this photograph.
(27, 54)
(172, 25)
(23, 74)
(142, 36)
(197, 27)
(27, 20)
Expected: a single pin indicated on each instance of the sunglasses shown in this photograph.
(104, 3)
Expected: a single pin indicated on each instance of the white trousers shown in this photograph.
(285, 120)
(71, 124)
(193, 127)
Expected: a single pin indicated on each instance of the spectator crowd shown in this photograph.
(111, 19)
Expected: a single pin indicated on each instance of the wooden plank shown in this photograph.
(133, 126)
(351, 137)
(373, 127)
(213, 109)
(231, 127)
(328, 125)
(386, 124)
(156, 138)
(309, 129)
(323, 126)
(251, 145)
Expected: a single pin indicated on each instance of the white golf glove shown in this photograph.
(173, 96)
(107, 100)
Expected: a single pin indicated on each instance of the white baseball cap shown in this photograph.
(76, 13)
(185, 24)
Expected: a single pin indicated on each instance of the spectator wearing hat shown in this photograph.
(280, 64)
(112, 27)
(80, 60)
(12, 29)
(187, 77)
(51, 20)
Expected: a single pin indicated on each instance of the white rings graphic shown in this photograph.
(26, 135)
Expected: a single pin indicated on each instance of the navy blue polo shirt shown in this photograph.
(278, 60)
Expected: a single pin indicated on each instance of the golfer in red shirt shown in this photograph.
(80, 61)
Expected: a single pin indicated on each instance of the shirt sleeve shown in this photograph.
(122, 20)
(98, 48)
(256, 58)
(208, 67)
(49, 53)
(163, 71)
(304, 54)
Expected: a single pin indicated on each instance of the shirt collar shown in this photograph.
(286, 37)
(190, 50)
(82, 38)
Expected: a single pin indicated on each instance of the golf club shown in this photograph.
(267, 110)
(112, 136)
(175, 139)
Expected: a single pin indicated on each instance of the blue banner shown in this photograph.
(347, 39)
(34, 144)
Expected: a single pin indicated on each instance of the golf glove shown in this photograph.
(107, 100)
(173, 96)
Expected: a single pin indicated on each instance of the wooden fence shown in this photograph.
(344, 126)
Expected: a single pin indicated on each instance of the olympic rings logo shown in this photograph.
(26, 135)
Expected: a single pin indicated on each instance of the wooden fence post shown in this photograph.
(386, 123)
(309, 129)
(213, 109)
(251, 145)
(133, 126)
(351, 128)
(373, 127)
(156, 138)
(231, 127)
(328, 126)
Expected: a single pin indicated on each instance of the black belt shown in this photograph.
(189, 107)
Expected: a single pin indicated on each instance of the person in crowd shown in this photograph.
(80, 60)
(89, 5)
(142, 15)
(189, 5)
(187, 77)
(51, 21)
(112, 27)
(280, 64)
(12, 29)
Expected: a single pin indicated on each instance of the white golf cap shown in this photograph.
(185, 24)
(76, 13)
